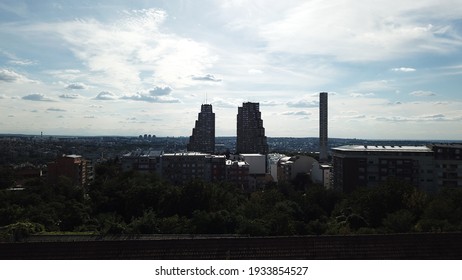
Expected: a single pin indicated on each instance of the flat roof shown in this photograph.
(448, 145)
(186, 154)
(239, 163)
(372, 148)
(72, 156)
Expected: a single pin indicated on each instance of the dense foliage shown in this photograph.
(134, 203)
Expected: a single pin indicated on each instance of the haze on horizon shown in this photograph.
(392, 68)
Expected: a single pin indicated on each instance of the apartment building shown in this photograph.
(74, 167)
(369, 166)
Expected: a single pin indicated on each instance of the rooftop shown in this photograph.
(366, 148)
(190, 154)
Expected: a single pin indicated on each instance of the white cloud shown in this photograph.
(270, 103)
(37, 97)
(374, 86)
(225, 103)
(76, 86)
(106, 95)
(13, 59)
(155, 95)
(363, 30)
(421, 93)
(403, 69)
(117, 54)
(421, 118)
(66, 74)
(11, 76)
(56, 110)
(357, 94)
(296, 113)
(151, 99)
(206, 78)
(303, 103)
(160, 91)
(255, 71)
(70, 96)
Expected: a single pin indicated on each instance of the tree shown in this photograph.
(401, 221)
(6, 177)
(146, 224)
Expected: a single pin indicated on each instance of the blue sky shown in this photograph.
(393, 69)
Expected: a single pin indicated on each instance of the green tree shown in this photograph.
(401, 221)
(146, 224)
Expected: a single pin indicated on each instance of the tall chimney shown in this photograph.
(323, 127)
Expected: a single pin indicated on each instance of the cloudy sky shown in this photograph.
(393, 69)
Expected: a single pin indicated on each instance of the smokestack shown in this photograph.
(323, 127)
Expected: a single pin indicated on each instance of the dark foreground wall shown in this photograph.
(396, 246)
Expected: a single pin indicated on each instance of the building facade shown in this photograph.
(141, 161)
(448, 165)
(251, 137)
(203, 134)
(73, 167)
(180, 168)
(237, 173)
(371, 166)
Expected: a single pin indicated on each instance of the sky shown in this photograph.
(393, 69)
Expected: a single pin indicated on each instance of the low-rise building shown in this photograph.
(180, 168)
(237, 173)
(141, 161)
(289, 167)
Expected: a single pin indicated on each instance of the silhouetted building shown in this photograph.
(237, 173)
(180, 168)
(371, 166)
(73, 167)
(141, 161)
(203, 134)
(448, 163)
(251, 137)
(323, 124)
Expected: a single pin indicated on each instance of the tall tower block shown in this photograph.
(251, 137)
(203, 134)
(323, 127)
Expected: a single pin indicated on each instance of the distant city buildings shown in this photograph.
(250, 167)
(147, 137)
(251, 137)
(203, 134)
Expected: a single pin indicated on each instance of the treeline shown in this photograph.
(142, 204)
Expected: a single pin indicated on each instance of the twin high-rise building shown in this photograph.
(203, 134)
(251, 137)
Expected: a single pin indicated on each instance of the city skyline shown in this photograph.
(392, 69)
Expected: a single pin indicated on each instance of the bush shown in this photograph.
(20, 230)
